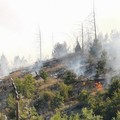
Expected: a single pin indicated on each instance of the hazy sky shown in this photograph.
(58, 19)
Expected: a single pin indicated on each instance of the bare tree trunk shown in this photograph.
(17, 110)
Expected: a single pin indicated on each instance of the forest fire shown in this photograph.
(99, 86)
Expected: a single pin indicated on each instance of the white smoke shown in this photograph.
(112, 46)
(60, 50)
(4, 66)
(110, 43)
(19, 62)
(76, 63)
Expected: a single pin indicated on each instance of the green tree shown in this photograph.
(107, 104)
(118, 116)
(101, 64)
(113, 106)
(95, 49)
(11, 104)
(76, 117)
(44, 101)
(114, 87)
(29, 113)
(93, 56)
(89, 115)
(98, 104)
(26, 86)
(29, 86)
(65, 90)
(57, 100)
(43, 75)
(83, 96)
(20, 85)
(57, 116)
(69, 77)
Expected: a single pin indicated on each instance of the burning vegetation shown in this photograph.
(70, 86)
(73, 85)
(99, 86)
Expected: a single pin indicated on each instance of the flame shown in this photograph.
(99, 86)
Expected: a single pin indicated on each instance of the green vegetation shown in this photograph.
(43, 75)
(84, 115)
(96, 59)
(69, 77)
(68, 97)
(52, 101)
(101, 64)
(26, 86)
(58, 98)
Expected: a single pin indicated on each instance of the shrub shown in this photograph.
(43, 75)
(69, 77)
(26, 86)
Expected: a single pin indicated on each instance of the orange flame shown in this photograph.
(99, 86)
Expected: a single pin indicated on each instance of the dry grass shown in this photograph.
(44, 85)
(54, 68)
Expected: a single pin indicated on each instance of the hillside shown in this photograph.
(70, 87)
(61, 90)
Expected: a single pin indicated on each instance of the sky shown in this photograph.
(58, 21)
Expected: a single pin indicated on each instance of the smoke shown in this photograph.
(6, 67)
(60, 50)
(19, 63)
(37, 66)
(75, 62)
(111, 44)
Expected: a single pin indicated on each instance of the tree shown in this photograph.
(77, 47)
(29, 86)
(76, 117)
(18, 62)
(89, 115)
(57, 100)
(60, 50)
(118, 116)
(43, 75)
(11, 105)
(83, 96)
(65, 90)
(4, 67)
(26, 86)
(93, 56)
(107, 104)
(26, 110)
(29, 113)
(57, 116)
(69, 77)
(3, 117)
(44, 101)
(98, 104)
(95, 49)
(114, 87)
(101, 64)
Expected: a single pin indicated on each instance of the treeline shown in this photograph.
(6, 66)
